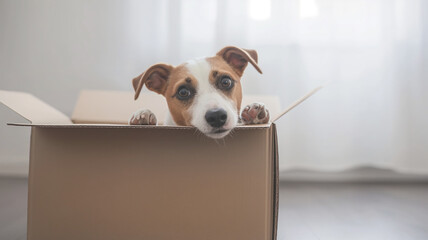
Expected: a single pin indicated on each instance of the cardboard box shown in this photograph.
(94, 177)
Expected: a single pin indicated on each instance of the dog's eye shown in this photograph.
(184, 93)
(226, 83)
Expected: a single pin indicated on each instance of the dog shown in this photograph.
(205, 93)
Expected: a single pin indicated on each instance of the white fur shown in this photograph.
(208, 97)
(169, 120)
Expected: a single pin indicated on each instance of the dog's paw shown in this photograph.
(143, 117)
(255, 113)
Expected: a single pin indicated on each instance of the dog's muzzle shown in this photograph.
(216, 117)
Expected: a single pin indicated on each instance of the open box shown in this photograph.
(95, 177)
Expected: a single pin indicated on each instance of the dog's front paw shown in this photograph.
(143, 117)
(255, 113)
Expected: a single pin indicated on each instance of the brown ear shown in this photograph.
(238, 58)
(155, 78)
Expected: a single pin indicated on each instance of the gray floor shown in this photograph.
(307, 210)
(353, 211)
(13, 208)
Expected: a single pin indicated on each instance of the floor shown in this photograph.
(308, 211)
(13, 208)
(329, 211)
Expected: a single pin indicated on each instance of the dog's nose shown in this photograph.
(216, 117)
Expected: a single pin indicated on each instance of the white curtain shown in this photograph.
(372, 54)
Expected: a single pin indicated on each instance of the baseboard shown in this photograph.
(18, 167)
(360, 174)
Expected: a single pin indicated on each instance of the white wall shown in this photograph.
(53, 49)
(375, 52)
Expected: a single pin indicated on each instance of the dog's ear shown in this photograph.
(155, 78)
(238, 58)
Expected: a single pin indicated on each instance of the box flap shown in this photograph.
(293, 105)
(31, 108)
(116, 107)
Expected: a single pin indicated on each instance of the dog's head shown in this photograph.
(205, 93)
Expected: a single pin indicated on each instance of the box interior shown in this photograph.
(106, 109)
(112, 109)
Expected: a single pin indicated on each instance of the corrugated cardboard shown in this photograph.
(98, 178)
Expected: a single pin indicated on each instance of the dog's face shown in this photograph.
(205, 93)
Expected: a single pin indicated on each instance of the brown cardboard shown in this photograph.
(115, 107)
(297, 102)
(95, 183)
(275, 180)
(110, 180)
(32, 108)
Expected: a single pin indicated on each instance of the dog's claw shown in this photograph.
(143, 117)
(255, 113)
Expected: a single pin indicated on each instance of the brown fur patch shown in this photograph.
(179, 109)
